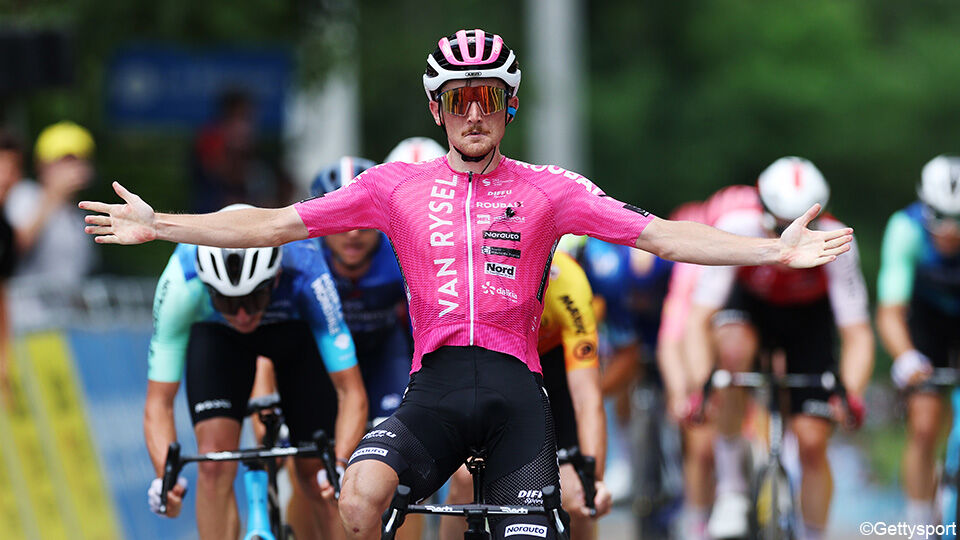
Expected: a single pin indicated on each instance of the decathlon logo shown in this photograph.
(380, 433)
(502, 270)
(526, 528)
(212, 404)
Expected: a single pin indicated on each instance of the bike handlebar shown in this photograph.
(321, 447)
(394, 517)
(171, 469)
(721, 378)
(586, 469)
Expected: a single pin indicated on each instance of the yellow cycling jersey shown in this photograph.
(568, 317)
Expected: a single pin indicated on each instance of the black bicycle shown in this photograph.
(260, 478)
(477, 512)
(772, 502)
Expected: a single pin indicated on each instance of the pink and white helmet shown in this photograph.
(790, 186)
(471, 54)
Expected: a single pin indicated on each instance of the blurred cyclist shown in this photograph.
(682, 380)
(215, 311)
(476, 381)
(751, 309)
(567, 345)
(919, 295)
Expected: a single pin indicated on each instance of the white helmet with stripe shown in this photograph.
(790, 186)
(237, 272)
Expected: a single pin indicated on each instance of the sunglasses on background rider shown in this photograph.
(255, 302)
(456, 101)
(934, 219)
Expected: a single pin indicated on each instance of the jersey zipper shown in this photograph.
(470, 253)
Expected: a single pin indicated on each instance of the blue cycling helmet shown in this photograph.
(334, 176)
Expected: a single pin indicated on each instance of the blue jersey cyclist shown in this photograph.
(919, 312)
(371, 289)
(215, 311)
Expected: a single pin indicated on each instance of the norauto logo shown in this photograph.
(501, 235)
(526, 529)
(502, 270)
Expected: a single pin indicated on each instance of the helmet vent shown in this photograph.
(213, 264)
(234, 264)
(273, 257)
(253, 263)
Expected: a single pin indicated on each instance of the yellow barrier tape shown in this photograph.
(86, 506)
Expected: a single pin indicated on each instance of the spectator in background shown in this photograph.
(226, 165)
(11, 160)
(44, 213)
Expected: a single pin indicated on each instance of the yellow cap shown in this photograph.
(63, 139)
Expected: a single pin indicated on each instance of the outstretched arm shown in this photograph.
(798, 246)
(135, 222)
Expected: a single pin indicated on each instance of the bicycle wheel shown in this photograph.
(772, 506)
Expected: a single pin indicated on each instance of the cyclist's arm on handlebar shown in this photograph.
(698, 343)
(588, 408)
(677, 379)
(351, 410)
(621, 370)
(893, 330)
(158, 423)
(856, 356)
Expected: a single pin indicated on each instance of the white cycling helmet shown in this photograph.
(790, 186)
(237, 272)
(940, 185)
(471, 54)
(415, 150)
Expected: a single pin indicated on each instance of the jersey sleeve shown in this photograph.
(319, 305)
(847, 288)
(175, 308)
(356, 205)
(898, 259)
(583, 208)
(714, 283)
(578, 325)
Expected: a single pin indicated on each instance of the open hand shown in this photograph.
(130, 223)
(801, 247)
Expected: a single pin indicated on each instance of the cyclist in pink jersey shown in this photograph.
(474, 232)
(682, 380)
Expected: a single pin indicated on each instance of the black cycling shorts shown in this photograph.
(561, 404)
(934, 333)
(805, 332)
(467, 398)
(221, 364)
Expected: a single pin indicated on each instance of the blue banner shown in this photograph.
(161, 86)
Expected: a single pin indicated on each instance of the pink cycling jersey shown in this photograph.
(683, 279)
(475, 249)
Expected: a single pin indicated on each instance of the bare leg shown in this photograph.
(217, 514)
(368, 486)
